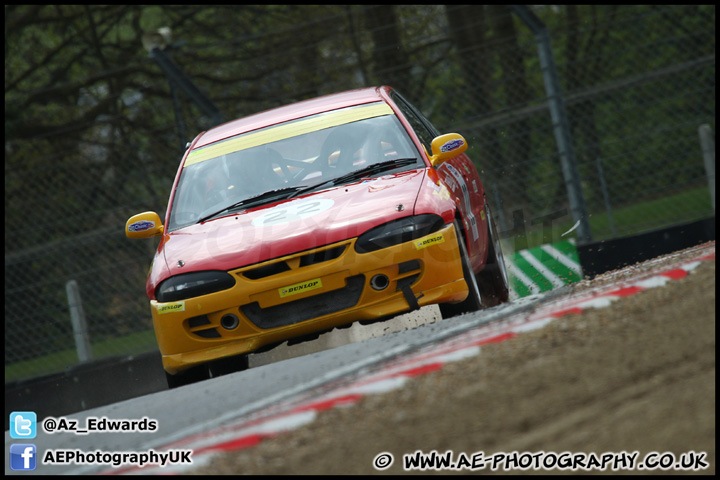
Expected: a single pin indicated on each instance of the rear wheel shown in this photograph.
(493, 279)
(473, 302)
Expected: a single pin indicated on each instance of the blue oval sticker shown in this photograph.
(452, 145)
(141, 226)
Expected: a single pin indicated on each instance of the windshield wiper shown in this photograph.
(360, 173)
(290, 192)
(259, 199)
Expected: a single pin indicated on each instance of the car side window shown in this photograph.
(424, 133)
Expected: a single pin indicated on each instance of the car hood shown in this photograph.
(291, 226)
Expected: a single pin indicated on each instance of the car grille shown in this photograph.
(408, 272)
(313, 258)
(306, 308)
(202, 327)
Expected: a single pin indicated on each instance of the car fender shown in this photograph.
(466, 190)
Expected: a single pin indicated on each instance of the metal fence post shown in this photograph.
(499, 207)
(176, 75)
(707, 143)
(559, 120)
(606, 196)
(79, 323)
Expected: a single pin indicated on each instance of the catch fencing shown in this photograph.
(637, 84)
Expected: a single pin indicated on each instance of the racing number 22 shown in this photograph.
(289, 213)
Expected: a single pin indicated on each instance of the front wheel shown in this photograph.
(493, 279)
(473, 302)
(226, 366)
(213, 369)
(191, 375)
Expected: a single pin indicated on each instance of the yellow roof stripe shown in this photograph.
(287, 130)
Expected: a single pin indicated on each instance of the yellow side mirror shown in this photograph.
(446, 147)
(144, 225)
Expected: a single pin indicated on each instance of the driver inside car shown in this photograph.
(252, 172)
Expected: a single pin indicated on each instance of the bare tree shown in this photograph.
(390, 61)
(517, 95)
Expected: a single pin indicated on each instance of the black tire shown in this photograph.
(191, 375)
(493, 279)
(210, 370)
(226, 366)
(473, 302)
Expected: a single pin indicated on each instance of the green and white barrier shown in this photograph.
(543, 268)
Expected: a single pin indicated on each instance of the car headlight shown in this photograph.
(193, 284)
(398, 231)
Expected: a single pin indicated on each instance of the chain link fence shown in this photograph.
(637, 82)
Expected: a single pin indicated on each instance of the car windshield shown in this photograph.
(241, 172)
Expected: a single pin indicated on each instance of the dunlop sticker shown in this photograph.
(300, 287)
(171, 307)
(428, 241)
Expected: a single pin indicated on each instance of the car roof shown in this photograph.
(293, 111)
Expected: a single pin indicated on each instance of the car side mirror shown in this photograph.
(446, 147)
(144, 225)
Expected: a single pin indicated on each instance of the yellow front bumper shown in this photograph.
(305, 293)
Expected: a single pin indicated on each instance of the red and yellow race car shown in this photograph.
(291, 222)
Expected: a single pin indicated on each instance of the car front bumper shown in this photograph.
(308, 292)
